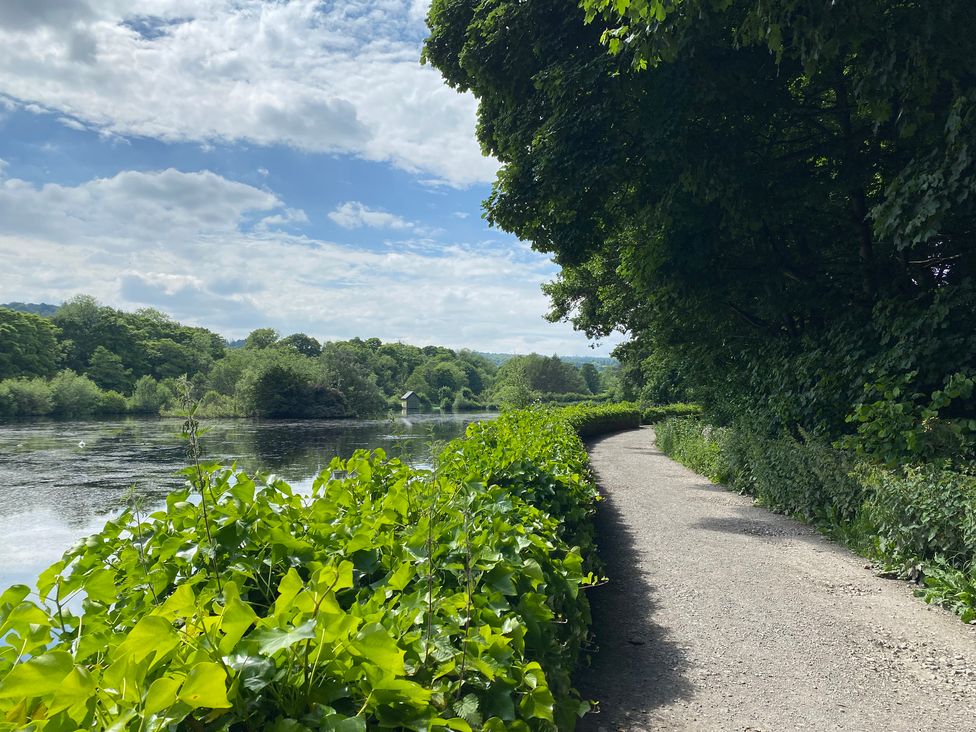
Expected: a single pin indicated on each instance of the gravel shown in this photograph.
(724, 616)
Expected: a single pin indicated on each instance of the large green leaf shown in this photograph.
(37, 677)
(205, 686)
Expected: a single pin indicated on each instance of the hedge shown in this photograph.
(658, 412)
(590, 420)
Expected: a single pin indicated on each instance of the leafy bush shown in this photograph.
(390, 597)
(923, 514)
(74, 395)
(111, 402)
(28, 397)
(693, 443)
(896, 423)
(591, 419)
(466, 401)
(149, 396)
(658, 412)
(7, 406)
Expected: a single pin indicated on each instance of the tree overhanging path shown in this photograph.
(724, 616)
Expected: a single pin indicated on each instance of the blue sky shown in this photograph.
(240, 163)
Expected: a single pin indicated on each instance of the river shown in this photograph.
(62, 480)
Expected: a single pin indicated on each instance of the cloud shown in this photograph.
(72, 123)
(229, 256)
(355, 215)
(320, 77)
(133, 208)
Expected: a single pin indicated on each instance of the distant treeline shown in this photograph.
(84, 358)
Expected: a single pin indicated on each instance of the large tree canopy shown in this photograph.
(778, 196)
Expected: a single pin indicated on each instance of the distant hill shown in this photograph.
(38, 308)
(601, 362)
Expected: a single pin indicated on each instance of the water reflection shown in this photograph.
(61, 480)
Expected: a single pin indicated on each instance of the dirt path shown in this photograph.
(724, 616)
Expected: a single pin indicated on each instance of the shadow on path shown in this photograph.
(636, 667)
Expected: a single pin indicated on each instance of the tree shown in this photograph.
(106, 370)
(261, 338)
(749, 187)
(149, 396)
(28, 345)
(346, 370)
(592, 378)
(74, 395)
(301, 343)
(513, 389)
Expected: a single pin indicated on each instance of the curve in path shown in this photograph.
(724, 616)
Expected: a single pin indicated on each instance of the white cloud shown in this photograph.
(356, 215)
(337, 77)
(201, 247)
(132, 209)
(72, 123)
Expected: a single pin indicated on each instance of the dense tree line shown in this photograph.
(90, 359)
(777, 200)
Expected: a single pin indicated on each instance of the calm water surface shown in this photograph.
(61, 480)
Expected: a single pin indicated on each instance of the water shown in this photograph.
(61, 480)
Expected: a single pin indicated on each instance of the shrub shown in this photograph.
(8, 410)
(923, 514)
(589, 419)
(465, 400)
(111, 402)
(390, 597)
(658, 412)
(692, 442)
(149, 396)
(29, 397)
(74, 395)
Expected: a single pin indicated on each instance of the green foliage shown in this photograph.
(106, 370)
(348, 371)
(111, 402)
(591, 419)
(923, 514)
(592, 378)
(74, 395)
(797, 219)
(658, 412)
(513, 388)
(896, 423)
(28, 345)
(146, 342)
(261, 338)
(389, 598)
(149, 396)
(27, 398)
(284, 389)
(545, 374)
(301, 343)
(695, 444)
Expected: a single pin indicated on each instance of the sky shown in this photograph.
(245, 163)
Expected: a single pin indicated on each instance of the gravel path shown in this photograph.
(723, 616)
